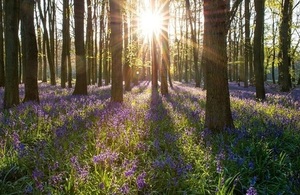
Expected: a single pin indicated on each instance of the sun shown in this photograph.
(150, 23)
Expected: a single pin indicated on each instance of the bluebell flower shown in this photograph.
(28, 189)
(140, 181)
(251, 191)
(125, 189)
(251, 165)
(253, 181)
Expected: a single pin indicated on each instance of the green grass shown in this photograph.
(148, 145)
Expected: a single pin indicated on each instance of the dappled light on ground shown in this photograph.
(149, 144)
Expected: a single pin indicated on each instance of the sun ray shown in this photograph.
(150, 23)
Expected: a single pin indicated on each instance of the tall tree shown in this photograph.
(116, 50)
(285, 44)
(194, 43)
(2, 73)
(81, 81)
(11, 19)
(216, 21)
(89, 42)
(154, 79)
(259, 49)
(101, 42)
(30, 53)
(126, 68)
(65, 43)
(47, 43)
(247, 42)
(165, 48)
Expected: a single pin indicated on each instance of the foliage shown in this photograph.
(148, 145)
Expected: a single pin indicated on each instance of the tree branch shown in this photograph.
(233, 10)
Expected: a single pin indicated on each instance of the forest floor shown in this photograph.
(149, 144)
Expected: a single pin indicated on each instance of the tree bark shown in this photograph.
(126, 67)
(11, 19)
(154, 57)
(89, 42)
(2, 73)
(48, 48)
(247, 43)
(165, 48)
(81, 81)
(285, 44)
(259, 49)
(194, 44)
(30, 53)
(218, 114)
(65, 32)
(101, 38)
(116, 50)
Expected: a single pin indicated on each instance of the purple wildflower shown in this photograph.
(125, 189)
(140, 181)
(101, 185)
(74, 162)
(54, 167)
(28, 189)
(108, 157)
(251, 165)
(37, 174)
(253, 181)
(251, 191)
(16, 140)
(83, 172)
(56, 179)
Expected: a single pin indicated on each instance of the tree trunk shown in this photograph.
(81, 81)
(217, 111)
(101, 38)
(89, 42)
(273, 45)
(69, 66)
(51, 54)
(247, 42)
(64, 56)
(106, 60)
(285, 44)
(165, 48)
(40, 56)
(48, 47)
(116, 50)
(2, 73)
(11, 19)
(259, 49)
(154, 57)
(44, 60)
(95, 43)
(126, 70)
(30, 53)
(194, 44)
